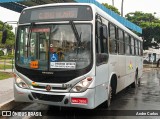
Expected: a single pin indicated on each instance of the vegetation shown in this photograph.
(7, 57)
(5, 75)
(11, 62)
(111, 8)
(1, 53)
(2, 66)
(10, 39)
(150, 25)
(148, 22)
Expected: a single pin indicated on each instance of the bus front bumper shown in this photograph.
(80, 100)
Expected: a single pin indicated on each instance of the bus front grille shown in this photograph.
(53, 88)
(46, 97)
(50, 79)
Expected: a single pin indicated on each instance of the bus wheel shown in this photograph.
(136, 83)
(109, 96)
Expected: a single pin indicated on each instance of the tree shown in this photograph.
(10, 37)
(111, 8)
(150, 25)
(139, 17)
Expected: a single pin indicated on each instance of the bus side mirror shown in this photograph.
(4, 36)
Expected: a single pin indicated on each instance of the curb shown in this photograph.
(149, 69)
(7, 105)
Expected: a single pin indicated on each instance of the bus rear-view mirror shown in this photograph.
(4, 36)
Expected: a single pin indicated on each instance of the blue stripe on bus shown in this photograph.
(114, 15)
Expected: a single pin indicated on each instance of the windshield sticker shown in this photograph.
(34, 64)
(53, 57)
(69, 65)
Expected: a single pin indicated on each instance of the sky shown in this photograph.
(146, 6)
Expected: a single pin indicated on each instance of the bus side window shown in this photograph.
(127, 43)
(97, 37)
(112, 39)
(132, 46)
(135, 46)
(101, 47)
(101, 44)
(141, 48)
(121, 41)
(104, 43)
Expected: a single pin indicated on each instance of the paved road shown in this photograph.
(146, 97)
(6, 90)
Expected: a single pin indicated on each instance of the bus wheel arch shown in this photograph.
(113, 84)
(136, 80)
(112, 89)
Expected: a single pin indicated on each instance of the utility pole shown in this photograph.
(112, 2)
(122, 8)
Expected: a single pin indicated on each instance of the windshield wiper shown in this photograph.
(78, 37)
(29, 38)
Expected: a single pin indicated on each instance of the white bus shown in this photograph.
(74, 55)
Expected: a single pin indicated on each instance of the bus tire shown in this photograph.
(111, 92)
(108, 102)
(113, 86)
(136, 82)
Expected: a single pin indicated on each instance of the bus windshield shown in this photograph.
(53, 47)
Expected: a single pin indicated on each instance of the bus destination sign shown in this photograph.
(58, 13)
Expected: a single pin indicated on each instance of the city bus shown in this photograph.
(74, 55)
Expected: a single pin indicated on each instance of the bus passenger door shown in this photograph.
(101, 81)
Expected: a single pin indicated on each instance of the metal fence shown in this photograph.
(7, 65)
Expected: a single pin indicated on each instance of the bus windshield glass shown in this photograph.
(53, 47)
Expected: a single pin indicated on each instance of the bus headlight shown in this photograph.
(82, 85)
(20, 83)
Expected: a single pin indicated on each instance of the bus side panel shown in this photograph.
(113, 64)
(101, 94)
(139, 62)
(121, 72)
(130, 70)
(101, 91)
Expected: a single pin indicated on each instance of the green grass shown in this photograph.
(6, 66)
(10, 62)
(7, 57)
(7, 61)
(5, 75)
